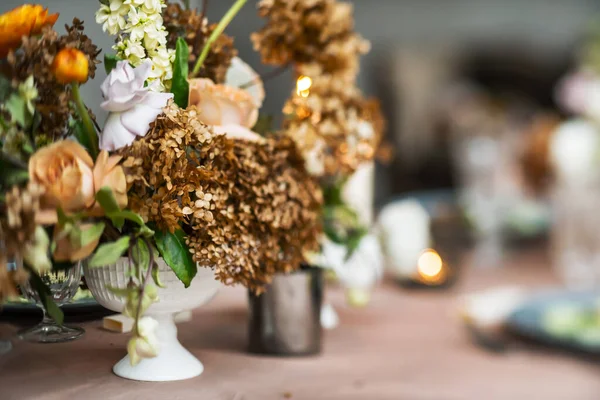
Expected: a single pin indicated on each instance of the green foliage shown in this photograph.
(156, 276)
(46, 298)
(264, 124)
(109, 253)
(341, 223)
(78, 130)
(92, 234)
(110, 62)
(17, 107)
(107, 201)
(176, 254)
(12, 171)
(179, 85)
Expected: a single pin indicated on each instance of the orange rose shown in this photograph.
(67, 250)
(71, 180)
(70, 65)
(26, 20)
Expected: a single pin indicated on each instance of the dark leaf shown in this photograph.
(46, 298)
(110, 62)
(179, 85)
(176, 254)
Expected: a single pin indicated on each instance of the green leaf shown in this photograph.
(78, 130)
(141, 255)
(179, 85)
(5, 88)
(156, 276)
(92, 234)
(17, 107)
(264, 124)
(63, 219)
(128, 215)
(120, 292)
(176, 254)
(46, 298)
(146, 232)
(107, 201)
(110, 62)
(109, 253)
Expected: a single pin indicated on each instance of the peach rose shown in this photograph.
(71, 181)
(107, 172)
(64, 169)
(230, 110)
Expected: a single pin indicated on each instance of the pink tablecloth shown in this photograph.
(407, 345)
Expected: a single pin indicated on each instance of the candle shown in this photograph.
(431, 268)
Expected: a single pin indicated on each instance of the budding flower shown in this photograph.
(70, 65)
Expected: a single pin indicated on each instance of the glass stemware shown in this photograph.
(63, 286)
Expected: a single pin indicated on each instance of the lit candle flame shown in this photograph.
(303, 85)
(430, 266)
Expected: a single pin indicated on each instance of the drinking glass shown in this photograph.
(63, 286)
(576, 233)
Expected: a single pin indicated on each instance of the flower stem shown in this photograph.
(88, 126)
(186, 4)
(229, 15)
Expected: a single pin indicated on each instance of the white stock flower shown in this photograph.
(142, 36)
(112, 21)
(132, 105)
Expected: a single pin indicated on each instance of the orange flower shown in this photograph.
(26, 20)
(107, 173)
(71, 180)
(70, 65)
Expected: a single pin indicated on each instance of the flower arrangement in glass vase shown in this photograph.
(174, 190)
(337, 129)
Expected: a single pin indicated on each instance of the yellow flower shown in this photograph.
(70, 65)
(26, 20)
(71, 180)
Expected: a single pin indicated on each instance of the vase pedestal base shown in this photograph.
(173, 363)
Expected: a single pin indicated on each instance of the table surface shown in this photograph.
(406, 345)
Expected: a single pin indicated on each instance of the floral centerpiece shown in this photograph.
(174, 178)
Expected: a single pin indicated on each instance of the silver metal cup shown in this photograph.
(285, 320)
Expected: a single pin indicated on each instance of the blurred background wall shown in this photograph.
(420, 49)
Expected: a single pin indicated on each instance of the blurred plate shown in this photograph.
(81, 305)
(569, 331)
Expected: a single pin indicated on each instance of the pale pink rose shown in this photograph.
(132, 106)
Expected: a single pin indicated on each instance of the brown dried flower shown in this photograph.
(194, 28)
(249, 209)
(310, 31)
(18, 235)
(334, 126)
(35, 58)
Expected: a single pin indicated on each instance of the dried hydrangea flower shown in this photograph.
(335, 127)
(249, 209)
(309, 31)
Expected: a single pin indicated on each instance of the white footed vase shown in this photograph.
(173, 362)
